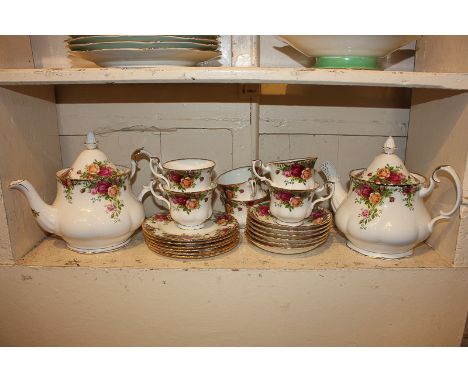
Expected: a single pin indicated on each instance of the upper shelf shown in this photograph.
(456, 81)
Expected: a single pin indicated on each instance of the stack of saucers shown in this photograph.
(138, 51)
(219, 235)
(264, 231)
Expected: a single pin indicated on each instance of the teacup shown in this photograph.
(291, 207)
(184, 175)
(239, 208)
(293, 174)
(240, 184)
(190, 210)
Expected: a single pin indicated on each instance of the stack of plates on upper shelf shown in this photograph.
(141, 51)
(219, 235)
(263, 231)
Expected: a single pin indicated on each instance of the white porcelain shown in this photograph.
(131, 58)
(240, 184)
(94, 210)
(293, 207)
(383, 214)
(240, 208)
(189, 209)
(293, 174)
(371, 46)
(184, 175)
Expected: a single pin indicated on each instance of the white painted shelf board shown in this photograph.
(52, 252)
(457, 81)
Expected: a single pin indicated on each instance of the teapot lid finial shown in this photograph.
(91, 142)
(389, 146)
(91, 155)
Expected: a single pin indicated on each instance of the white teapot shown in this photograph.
(383, 214)
(94, 210)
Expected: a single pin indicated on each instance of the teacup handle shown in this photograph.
(159, 197)
(134, 159)
(258, 163)
(156, 169)
(253, 187)
(329, 185)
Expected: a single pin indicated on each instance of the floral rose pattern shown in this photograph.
(232, 190)
(223, 219)
(188, 203)
(184, 179)
(298, 172)
(100, 179)
(381, 186)
(163, 218)
(289, 199)
(232, 205)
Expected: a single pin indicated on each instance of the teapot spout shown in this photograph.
(332, 176)
(46, 215)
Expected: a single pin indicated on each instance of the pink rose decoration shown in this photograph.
(110, 207)
(264, 210)
(296, 170)
(395, 178)
(102, 186)
(179, 200)
(105, 171)
(365, 213)
(175, 177)
(287, 173)
(284, 196)
(93, 191)
(317, 214)
(365, 190)
(160, 218)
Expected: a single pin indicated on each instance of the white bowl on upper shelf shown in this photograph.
(350, 52)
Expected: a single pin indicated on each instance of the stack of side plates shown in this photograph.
(219, 235)
(138, 51)
(263, 231)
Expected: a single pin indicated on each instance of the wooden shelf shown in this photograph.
(52, 252)
(456, 81)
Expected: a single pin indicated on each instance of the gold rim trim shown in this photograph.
(287, 231)
(286, 245)
(218, 252)
(419, 182)
(290, 228)
(285, 236)
(185, 159)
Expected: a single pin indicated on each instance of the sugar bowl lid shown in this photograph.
(91, 160)
(388, 168)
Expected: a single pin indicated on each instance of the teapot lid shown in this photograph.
(388, 168)
(91, 161)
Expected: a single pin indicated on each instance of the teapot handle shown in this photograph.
(159, 197)
(331, 188)
(258, 162)
(134, 159)
(458, 187)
